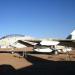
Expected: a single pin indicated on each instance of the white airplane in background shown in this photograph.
(49, 45)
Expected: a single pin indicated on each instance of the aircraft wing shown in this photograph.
(25, 43)
(32, 43)
(35, 40)
(62, 42)
(66, 42)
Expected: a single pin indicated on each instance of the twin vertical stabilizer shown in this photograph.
(72, 35)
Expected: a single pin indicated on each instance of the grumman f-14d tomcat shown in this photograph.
(51, 45)
(39, 45)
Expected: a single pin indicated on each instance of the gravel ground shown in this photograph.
(37, 64)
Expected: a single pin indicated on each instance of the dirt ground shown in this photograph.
(37, 64)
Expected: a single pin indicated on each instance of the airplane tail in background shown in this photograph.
(72, 35)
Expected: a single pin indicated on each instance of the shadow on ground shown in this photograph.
(41, 67)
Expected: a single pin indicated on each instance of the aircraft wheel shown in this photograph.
(56, 52)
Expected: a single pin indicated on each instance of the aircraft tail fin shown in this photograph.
(72, 35)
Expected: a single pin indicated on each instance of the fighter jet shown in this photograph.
(50, 45)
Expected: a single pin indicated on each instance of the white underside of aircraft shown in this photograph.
(43, 50)
(46, 43)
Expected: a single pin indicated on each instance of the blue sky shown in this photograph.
(37, 18)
